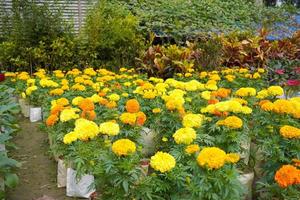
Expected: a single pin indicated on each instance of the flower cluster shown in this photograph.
(215, 158)
(287, 175)
(185, 135)
(290, 132)
(123, 147)
(162, 162)
(232, 122)
(84, 130)
(109, 128)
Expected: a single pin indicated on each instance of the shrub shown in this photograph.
(111, 35)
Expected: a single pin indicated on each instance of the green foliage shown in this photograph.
(8, 110)
(184, 19)
(33, 37)
(111, 35)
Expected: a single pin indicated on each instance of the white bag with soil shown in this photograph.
(61, 174)
(82, 188)
(245, 154)
(24, 107)
(247, 181)
(147, 139)
(35, 114)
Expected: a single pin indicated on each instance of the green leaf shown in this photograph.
(11, 180)
(125, 186)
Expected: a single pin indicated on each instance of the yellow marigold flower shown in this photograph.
(275, 91)
(211, 86)
(230, 77)
(65, 87)
(206, 95)
(68, 114)
(48, 83)
(212, 158)
(86, 129)
(185, 135)
(256, 75)
(261, 70)
(90, 71)
(192, 120)
(162, 162)
(262, 94)
(283, 106)
(245, 92)
(232, 157)
(149, 94)
(70, 137)
(268, 106)
(77, 100)
(123, 147)
(241, 101)
(164, 139)
(78, 87)
(125, 94)
(109, 128)
(231, 122)
(193, 148)
(23, 95)
(156, 110)
(30, 81)
(203, 75)
(290, 132)
(246, 110)
(243, 70)
(128, 118)
(114, 97)
(295, 99)
(57, 91)
(95, 98)
(88, 82)
(61, 101)
(188, 75)
(30, 89)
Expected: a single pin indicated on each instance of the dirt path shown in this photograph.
(38, 172)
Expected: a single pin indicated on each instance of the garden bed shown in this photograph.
(145, 138)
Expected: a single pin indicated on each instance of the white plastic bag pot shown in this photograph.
(35, 114)
(245, 154)
(61, 174)
(247, 181)
(24, 107)
(79, 188)
(147, 139)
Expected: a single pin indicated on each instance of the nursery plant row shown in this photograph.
(224, 134)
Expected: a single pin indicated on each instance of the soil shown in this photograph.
(38, 171)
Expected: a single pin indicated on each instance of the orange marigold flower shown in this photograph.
(56, 109)
(213, 101)
(141, 118)
(263, 102)
(102, 94)
(287, 175)
(86, 104)
(89, 115)
(103, 101)
(132, 106)
(222, 93)
(51, 120)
